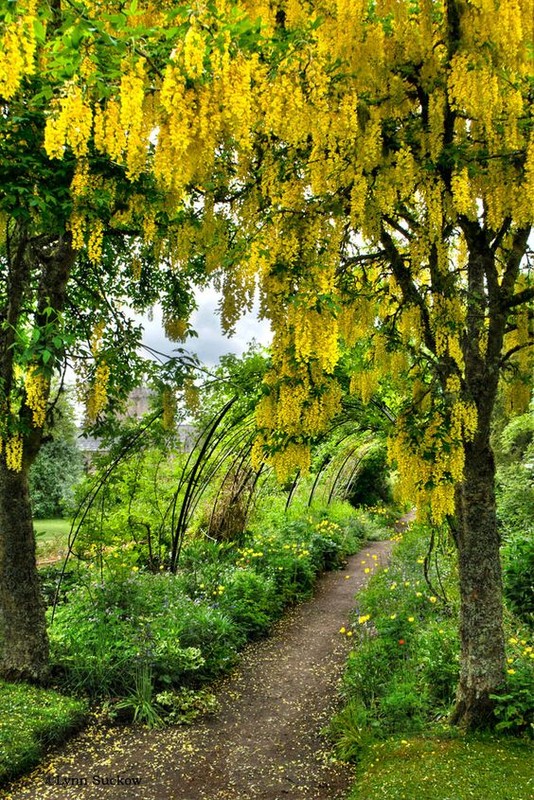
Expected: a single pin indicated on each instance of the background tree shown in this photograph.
(59, 463)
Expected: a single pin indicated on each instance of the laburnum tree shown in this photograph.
(368, 165)
(79, 251)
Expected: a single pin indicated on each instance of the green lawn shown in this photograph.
(32, 718)
(51, 536)
(440, 768)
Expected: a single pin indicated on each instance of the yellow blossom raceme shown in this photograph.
(191, 395)
(463, 199)
(169, 409)
(132, 117)
(72, 125)
(175, 329)
(295, 456)
(95, 241)
(364, 383)
(13, 452)
(76, 225)
(193, 52)
(17, 51)
(36, 395)
(97, 398)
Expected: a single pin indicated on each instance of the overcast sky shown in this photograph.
(211, 343)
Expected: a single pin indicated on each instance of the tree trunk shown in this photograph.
(482, 658)
(23, 637)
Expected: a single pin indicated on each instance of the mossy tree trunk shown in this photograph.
(37, 271)
(24, 650)
(482, 656)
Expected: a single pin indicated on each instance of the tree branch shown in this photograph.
(520, 298)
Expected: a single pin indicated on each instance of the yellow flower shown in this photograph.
(433, 599)
(411, 619)
(510, 671)
(367, 570)
(342, 630)
(349, 633)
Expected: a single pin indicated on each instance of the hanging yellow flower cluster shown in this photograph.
(71, 125)
(14, 452)
(37, 386)
(18, 48)
(169, 409)
(431, 465)
(517, 388)
(96, 395)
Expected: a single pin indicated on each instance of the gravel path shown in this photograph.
(265, 742)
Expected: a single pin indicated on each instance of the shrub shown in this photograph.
(107, 629)
(251, 601)
(438, 659)
(403, 674)
(515, 703)
(518, 563)
(130, 635)
(367, 670)
(214, 633)
(54, 576)
(183, 706)
(53, 475)
(405, 705)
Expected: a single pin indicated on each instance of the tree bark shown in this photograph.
(482, 656)
(23, 637)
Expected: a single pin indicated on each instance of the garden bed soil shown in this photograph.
(264, 743)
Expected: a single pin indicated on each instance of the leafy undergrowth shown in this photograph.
(399, 689)
(31, 719)
(142, 645)
(438, 768)
(131, 635)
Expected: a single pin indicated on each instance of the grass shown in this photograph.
(51, 536)
(439, 768)
(31, 719)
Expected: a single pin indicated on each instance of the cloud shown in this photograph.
(211, 343)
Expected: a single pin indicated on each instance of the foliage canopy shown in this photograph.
(370, 165)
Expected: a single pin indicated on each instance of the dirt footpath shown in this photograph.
(264, 743)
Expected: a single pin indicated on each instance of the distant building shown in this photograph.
(138, 403)
(137, 406)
